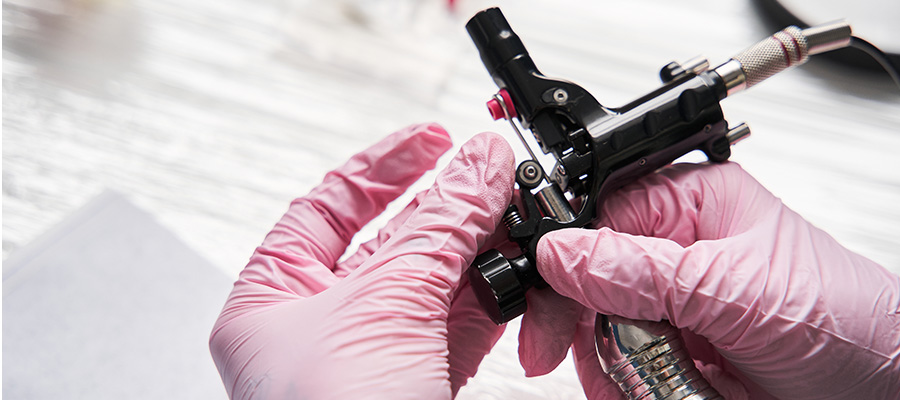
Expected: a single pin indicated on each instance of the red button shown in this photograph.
(496, 109)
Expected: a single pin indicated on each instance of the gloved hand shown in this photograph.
(395, 320)
(777, 307)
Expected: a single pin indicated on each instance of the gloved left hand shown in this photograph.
(397, 319)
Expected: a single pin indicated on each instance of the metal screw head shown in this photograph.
(560, 95)
(529, 174)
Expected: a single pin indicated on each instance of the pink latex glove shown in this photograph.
(777, 306)
(393, 321)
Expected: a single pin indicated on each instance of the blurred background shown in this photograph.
(148, 147)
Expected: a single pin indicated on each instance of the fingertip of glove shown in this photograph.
(495, 148)
(729, 386)
(536, 362)
(547, 331)
(431, 137)
(403, 156)
(555, 248)
(532, 366)
(501, 157)
(488, 161)
(568, 257)
(533, 355)
(568, 246)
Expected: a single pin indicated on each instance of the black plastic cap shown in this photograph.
(497, 287)
(496, 42)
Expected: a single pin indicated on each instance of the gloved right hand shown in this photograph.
(771, 300)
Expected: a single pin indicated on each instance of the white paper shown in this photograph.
(110, 305)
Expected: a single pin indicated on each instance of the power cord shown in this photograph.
(877, 55)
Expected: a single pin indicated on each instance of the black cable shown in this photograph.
(878, 56)
(776, 16)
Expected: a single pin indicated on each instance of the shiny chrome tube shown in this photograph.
(649, 366)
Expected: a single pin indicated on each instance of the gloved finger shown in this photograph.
(643, 278)
(726, 384)
(297, 256)
(595, 382)
(547, 330)
(368, 248)
(640, 208)
(687, 202)
(499, 240)
(669, 204)
(470, 332)
(719, 371)
(715, 288)
(470, 335)
(321, 224)
(427, 255)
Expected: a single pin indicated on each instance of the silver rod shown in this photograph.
(507, 117)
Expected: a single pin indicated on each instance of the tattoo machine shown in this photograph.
(597, 150)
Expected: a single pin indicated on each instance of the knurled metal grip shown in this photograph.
(774, 54)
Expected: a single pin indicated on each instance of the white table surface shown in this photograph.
(212, 115)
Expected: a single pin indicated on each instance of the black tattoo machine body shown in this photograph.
(598, 150)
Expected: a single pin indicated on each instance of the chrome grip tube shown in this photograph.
(649, 366)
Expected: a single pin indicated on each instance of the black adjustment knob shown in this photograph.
(500, 284)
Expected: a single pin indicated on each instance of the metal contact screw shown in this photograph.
(560, 95)
(560, 170)
(530, 172)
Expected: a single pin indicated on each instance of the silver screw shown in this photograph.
(560, 170)
(530, 171)
(560, 95)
